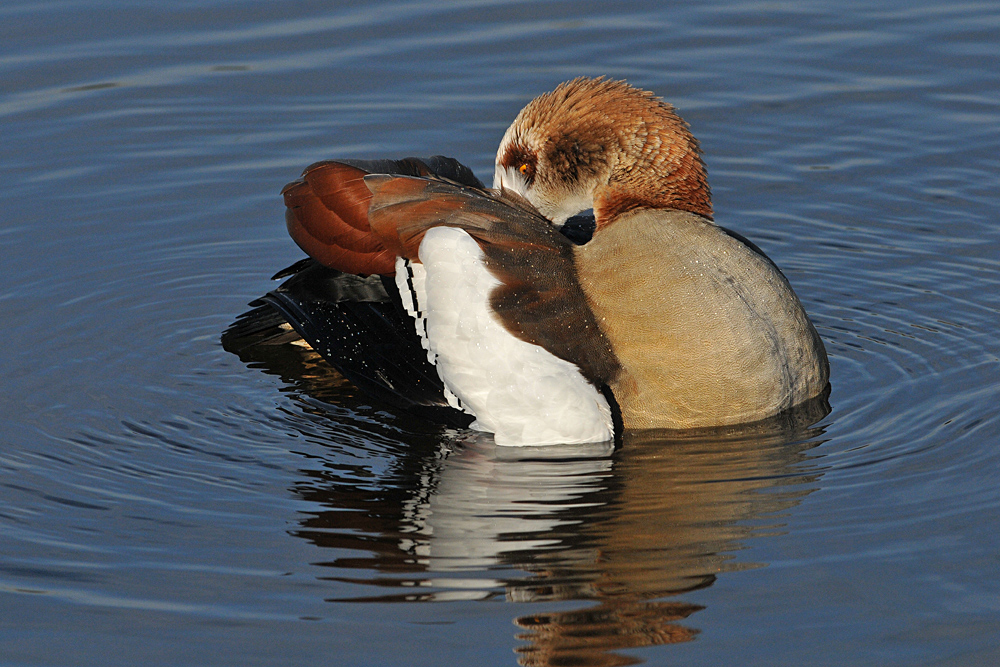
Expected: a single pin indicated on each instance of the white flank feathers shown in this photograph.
(520, 392)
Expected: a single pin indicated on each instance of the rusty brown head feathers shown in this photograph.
(606, 145)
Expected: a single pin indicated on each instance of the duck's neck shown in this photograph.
(659, 167)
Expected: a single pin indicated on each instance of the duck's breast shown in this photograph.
(707, 330)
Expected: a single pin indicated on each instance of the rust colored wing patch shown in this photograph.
(327, 216)
(327, 212)
(539, 298)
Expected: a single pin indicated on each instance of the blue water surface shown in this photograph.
(165, 502)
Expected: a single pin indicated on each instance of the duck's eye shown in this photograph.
(519, 163)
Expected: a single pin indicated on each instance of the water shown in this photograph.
(163, 502)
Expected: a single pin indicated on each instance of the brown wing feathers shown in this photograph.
(327, 217)
(357, 222)
(403, 209)
(327, 212)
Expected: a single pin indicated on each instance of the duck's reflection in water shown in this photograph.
(626, 528)
(677, 509)
(430, 516)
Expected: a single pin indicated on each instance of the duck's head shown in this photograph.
(601, 144)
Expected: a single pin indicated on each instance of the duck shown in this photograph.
(653, 317)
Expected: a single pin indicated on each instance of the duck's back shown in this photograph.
(707, 329)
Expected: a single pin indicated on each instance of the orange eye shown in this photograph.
(523, 169)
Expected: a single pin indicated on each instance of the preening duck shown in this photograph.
(662, 319)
